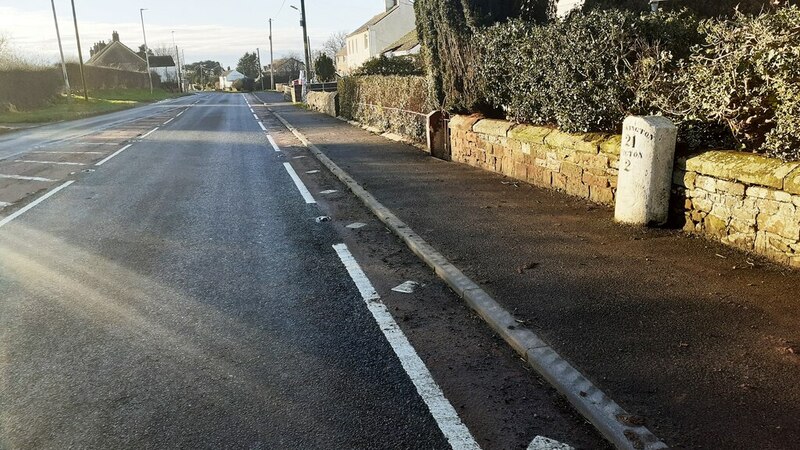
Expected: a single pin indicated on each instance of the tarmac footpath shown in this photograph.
(699, 342)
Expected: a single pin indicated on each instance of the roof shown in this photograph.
(404, 44)
(161, 61)
(279, 63)
(118, 56)
(374, 21)
(342, 52)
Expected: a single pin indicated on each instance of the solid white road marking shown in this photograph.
(170, 120)
(299, 183)
(272, 142)
(262, 126)
(543, 443)
(61, 163)
(71, 153)
(24, 178)
(114, 154)
(149, 133)
(33, 204)
(442, 411)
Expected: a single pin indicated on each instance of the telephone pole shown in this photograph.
(80, 53)
(271, 62)
(61, 51)
(177, 64)
(260, 69)
(146, 50)
(305, 35)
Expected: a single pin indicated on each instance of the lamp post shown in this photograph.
(146, 50)
(61, 52)
(80, 53)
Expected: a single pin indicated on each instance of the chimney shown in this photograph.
(115, 37)
(390, 4)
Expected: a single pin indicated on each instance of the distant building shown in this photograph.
(286, 69)
(564, 7)
(228, 77)
(341, 61)
(369, 40)
(117, 55)
(406, 45)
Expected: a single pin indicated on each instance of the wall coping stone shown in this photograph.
(464, 123)
(746, 168)
(492, 127)
(792, 182)
(529, 133)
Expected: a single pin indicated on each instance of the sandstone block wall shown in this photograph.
(743, 200)
(324, 102)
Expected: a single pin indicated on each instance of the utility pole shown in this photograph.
(271, 62)
(80, 53)
(260, 69)
(177, 64)
(305, 44)
(146, 50)
(61, 51)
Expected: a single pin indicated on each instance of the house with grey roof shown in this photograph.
(117, 55)
(370, 39)
(406, 45)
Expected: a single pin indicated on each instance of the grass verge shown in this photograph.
(100, 102)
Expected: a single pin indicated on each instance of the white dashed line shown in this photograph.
(273, 144)
(70, 153)
(255, 116)
(113, 155)
(179, 114)
(299, 183)
(24, 178)
(442, 411)
(262, 126)
(149, 133)
(33, 204)
(170, 120)
(60, 163)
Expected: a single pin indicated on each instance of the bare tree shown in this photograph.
(335, 42)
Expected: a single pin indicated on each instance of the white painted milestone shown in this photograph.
(645, 170)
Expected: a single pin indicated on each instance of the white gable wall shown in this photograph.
(369, 44)
(563, 7)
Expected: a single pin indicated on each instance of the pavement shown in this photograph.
(699, 340)
(166, 283)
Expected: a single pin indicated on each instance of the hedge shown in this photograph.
(726, 81)
(395, 104)
(22, 89)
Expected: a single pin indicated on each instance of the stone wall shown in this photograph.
(324, 102)
(584, 165)
(743, 200)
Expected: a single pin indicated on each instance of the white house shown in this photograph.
(369, 40)
(406, 45)
(564, 7)
(228, 77)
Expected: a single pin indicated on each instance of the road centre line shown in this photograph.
(261, 124)
(24, 178)
(61, 163)
(113, 155)
(273, 143)
(256, 117)
(179, 114)
(299, 183)
(440, 408)
(33, 204)
(149, 133)
(170, 120)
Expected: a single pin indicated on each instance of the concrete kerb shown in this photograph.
(623, 430)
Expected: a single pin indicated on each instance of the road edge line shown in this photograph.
(588, 400)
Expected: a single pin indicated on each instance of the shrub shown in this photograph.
(390, 103)
(585, 73)
(324, 68)
(746, 76)
(396, 65)
(245, 84)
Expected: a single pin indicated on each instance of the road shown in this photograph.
(172, 277)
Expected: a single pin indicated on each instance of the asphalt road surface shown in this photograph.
(177, 290)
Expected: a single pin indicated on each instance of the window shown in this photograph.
(366, 41)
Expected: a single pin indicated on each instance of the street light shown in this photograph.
(146, 50)
(271, 62)
(305, 35)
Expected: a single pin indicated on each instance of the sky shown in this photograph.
(216, 30)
